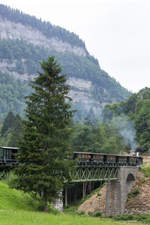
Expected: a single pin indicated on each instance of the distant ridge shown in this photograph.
(26, 41)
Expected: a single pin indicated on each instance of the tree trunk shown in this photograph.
(46, 207)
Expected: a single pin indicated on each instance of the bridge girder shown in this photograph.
(86, 174)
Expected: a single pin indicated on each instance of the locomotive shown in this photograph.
(99, 159)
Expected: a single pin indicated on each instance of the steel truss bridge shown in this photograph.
(91, 173)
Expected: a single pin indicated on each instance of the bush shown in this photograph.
(51, 208)
(81, 213)
(95, 214)
(133, 194)
(71, 210)
(146, 171)
(142, 218)
(90, 213)
(124, 217)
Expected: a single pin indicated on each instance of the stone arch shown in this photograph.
(129, 181)
(130, 178)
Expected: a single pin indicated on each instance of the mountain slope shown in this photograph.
(25, 41)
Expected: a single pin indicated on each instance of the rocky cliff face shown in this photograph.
(91, 88)
(81, 90)
(11, 30)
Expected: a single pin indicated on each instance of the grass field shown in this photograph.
(8, 217)
(17, 208)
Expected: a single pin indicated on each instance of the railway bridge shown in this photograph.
(118, 179)
(119, 173)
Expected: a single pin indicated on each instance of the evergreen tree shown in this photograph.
(142, 124)
(8, 123)
(17, 132)
(43, 165)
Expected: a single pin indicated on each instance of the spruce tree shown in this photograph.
(43, 159)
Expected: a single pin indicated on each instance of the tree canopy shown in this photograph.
(137, 110)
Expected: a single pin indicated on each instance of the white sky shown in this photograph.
(116, 32)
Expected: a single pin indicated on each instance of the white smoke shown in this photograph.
(126, 129)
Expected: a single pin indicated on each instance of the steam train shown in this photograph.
(8, 156)
(98, 159)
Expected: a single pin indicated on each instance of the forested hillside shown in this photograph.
(26, 41)
(136, 112)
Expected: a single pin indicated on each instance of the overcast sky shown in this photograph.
(116, 32)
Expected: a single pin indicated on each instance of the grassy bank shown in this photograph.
(11, 199)
(17, 208)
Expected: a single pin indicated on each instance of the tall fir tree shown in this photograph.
(43, 164)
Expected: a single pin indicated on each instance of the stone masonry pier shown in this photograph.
(117, 190)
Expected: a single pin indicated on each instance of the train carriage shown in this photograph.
(110, 160)
(8, 154)
(82, 157)
(99, 159)
(123, 160)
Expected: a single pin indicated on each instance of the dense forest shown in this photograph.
(136, 111)
(89, 136)
(12, 92)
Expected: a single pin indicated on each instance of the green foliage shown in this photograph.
(8, 123)
(145, 218)
(137, 110)
(102, 138)
(142, 122)
(12, 92)
(19, 208)
(133, 193)
(35, 218)
(12, 199)
(51, 209)
(11, 131)
(95, 214)
(43, 165)
(124, 217)
(16, 133)
(146, 171)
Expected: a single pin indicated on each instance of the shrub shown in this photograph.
(133, 194)
(146, 171)
(124, 217)
(97, 214)
(81, 213)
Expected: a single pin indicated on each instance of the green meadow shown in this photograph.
(17, 208)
